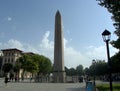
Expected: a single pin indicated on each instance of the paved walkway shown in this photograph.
(41, 86)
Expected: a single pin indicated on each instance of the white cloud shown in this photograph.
(30, 48)
(45, 43)
(100, 52)
(15, 44)
(72, 57)
(46, 47)
(9, 18)
(65, 42)
(95, 52)
(12, 44)
(6, 19)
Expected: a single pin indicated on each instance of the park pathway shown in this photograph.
(27, 86)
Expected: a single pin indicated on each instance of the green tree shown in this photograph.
(113, 6)
(79, 70)
(45, 65)
(28, 63)
(101, 67)
(98, 68)
(17, 67)
(86, 71)
(36, 64)
(67, 71)
(7, 67)
(72, 72)
(31, 66)
(116, 63)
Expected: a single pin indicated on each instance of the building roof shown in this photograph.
(15, 49)
(29, 53)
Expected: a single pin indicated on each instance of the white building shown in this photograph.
(9, 56)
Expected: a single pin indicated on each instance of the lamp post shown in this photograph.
(93, 62)
(106, 38)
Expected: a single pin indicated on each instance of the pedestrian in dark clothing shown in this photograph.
(6, 80)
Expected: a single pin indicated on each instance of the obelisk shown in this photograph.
(59, 69)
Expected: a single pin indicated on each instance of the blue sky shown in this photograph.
(29, 25)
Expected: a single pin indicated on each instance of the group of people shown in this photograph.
(8, 79)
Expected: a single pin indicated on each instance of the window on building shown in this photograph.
(8, 54)
(8, 60)
(5, 54)
(5, 61)
(12, 54)
(12, 60)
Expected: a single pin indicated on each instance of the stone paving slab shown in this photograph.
(12, 86)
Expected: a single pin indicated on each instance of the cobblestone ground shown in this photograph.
(27, 86)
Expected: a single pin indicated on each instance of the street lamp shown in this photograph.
(94, 62)
(106, 37)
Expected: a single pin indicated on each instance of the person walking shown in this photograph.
(6, 80)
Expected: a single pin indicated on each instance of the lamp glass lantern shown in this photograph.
(106, 35)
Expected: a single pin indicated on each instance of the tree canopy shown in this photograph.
(7, 67)
(36, 64)
(78, 71)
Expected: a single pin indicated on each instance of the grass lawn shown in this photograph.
(105, 87)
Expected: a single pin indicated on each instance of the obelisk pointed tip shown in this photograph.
(58, 13)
